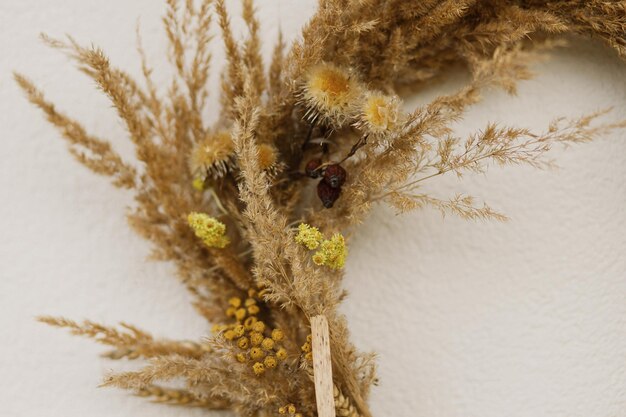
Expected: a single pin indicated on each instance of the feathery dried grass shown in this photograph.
(277, 121)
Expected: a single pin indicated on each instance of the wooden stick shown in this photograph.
(322, 367)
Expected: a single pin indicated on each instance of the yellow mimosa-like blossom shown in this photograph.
(210, 230)
(332, 252)
(309, 236)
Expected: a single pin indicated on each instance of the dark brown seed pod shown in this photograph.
(327, 194)
(311, 168)
(335, 175)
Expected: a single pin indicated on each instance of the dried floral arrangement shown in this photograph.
(253, 209)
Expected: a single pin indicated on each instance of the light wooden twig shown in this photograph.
(322, 367)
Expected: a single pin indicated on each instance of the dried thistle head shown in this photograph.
(214, 156)
(269, 159)
(379, 113)
(329, 94)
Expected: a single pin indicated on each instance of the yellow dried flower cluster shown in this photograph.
(210, 230)
(309, 236)
(290, 410)
(330, 252)
(257, 342)
(307, 349)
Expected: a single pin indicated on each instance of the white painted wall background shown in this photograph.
(471, 319)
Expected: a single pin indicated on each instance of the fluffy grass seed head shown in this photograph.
(309, 236)
(210, 230)
(379, 113)
(332, 252)
(329, 94)
(212, 156)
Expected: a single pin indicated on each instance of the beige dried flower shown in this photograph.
(330, 95)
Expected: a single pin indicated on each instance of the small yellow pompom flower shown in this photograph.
(332, 252)
(198, 184)
(270, 362)
(267, 343)
(229, 335)
(240, 314)
(291, 409)
(253, 309)
(249, 322)
(259, 326)
(281, 354)
(309, 236)
(241, 358)
(306, 347)
(256, 338)
(257, 353)
(238, 330)
(277, 335)
(258, 368)
(210, 230)
(243, 343)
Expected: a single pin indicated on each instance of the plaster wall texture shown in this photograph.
(470, 319)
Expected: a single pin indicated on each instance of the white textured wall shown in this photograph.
(471, 319)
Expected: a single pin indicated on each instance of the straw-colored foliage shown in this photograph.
(321, 126)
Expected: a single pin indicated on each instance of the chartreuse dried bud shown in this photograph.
(309, 236)
(332, 252)
(210, 230)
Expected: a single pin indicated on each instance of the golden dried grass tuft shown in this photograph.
(336, 86)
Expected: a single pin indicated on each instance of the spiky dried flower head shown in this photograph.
(210, 230)
(332, 252)
(379, 113)
(329, 94)
(267, 156)
(213, 156)
(309, 236)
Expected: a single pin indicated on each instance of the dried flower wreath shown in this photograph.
(252, 209)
